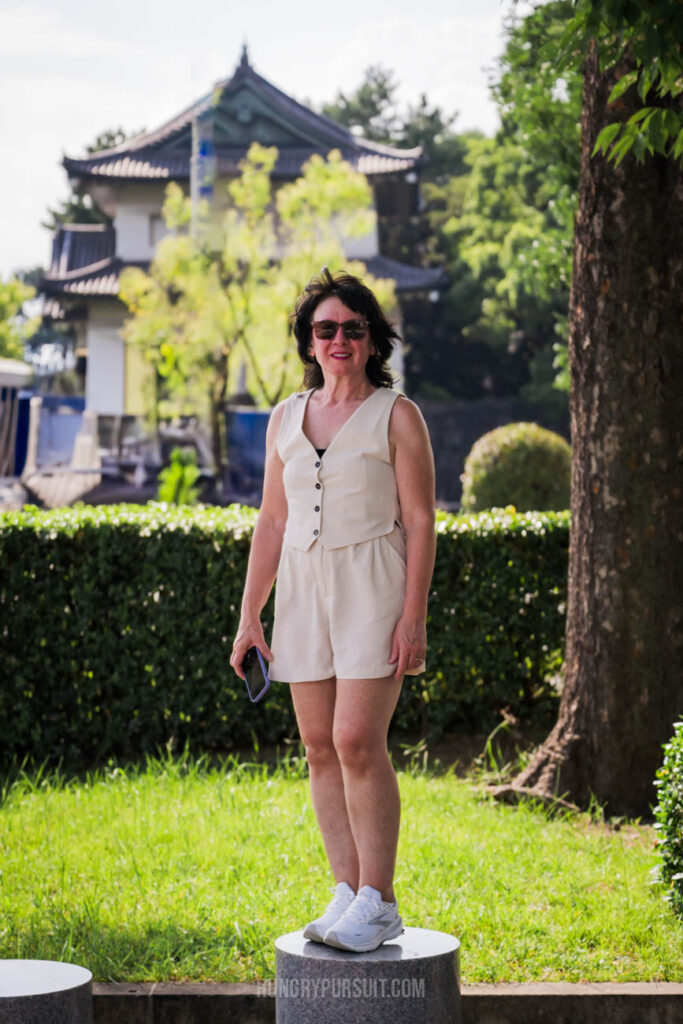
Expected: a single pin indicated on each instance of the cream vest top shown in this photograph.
(349, 494)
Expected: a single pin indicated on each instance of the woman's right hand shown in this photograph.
(249, 634)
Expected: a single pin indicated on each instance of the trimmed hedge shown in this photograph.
(518, 464)
(669, 819)
(118, 621)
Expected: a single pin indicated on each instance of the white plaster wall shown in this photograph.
(364, 247)
(133, 235)
(105, 378)
(135, 206)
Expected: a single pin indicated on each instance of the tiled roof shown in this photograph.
(84, 262)
(75, 246)
(97, 279)
(165, 152)
(150, 166)
(101, 277)
(55, 310)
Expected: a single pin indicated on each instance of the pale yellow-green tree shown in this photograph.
(15, 329)
(223, 297)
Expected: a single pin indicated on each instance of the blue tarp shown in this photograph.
(60, 420)
(246, 436)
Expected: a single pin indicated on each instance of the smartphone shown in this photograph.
(255, 674)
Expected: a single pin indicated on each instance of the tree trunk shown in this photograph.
(216, 414)
(219, 441)
(624, 655)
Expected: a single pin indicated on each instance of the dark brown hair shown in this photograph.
(358, 297)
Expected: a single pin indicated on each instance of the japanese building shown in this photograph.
(128, 183)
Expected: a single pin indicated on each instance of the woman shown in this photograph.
(347, 525)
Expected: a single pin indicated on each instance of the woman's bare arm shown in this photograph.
(414, 468)
(264, 555)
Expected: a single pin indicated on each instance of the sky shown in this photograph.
(70, 69)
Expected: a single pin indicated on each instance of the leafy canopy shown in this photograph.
(15, 328)
(80, 208)
(373, 109)
(223, 296)
(510, 221)
(643, 39)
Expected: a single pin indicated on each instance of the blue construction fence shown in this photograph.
(61, 417)
(245, 430)
(60, 420)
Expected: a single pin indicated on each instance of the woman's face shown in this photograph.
(340, 356)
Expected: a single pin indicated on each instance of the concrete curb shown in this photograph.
(546, 1003)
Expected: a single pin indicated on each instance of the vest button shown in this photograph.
(316, 532)
(317, 508)
(318, 487)
(317, 464)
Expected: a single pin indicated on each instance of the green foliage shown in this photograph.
(669, 815)
(15, 329)
(371, 107)
(520, 464)
(177, 480)
(118, 624)
(79, 207)
(496, 622)
(75, 209)
(513, 227)
(498, 213)
(228, 289)
(184, 869)
(644, 42)
(120, 870)
(110, 138)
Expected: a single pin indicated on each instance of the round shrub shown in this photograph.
(520, 464)
(669, 815)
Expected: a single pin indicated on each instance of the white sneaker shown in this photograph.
(344, 897)
(367, 923)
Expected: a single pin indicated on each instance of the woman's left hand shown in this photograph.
(408, 645)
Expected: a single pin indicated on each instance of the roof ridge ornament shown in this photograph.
(244, 56)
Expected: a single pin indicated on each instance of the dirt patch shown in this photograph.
(465, 752)
(459, 751)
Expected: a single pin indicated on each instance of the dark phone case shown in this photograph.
(256, 676)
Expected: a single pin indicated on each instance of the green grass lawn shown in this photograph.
(184, 872)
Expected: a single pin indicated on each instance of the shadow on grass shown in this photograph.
(148, 952)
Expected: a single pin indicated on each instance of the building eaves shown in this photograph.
(96, 280)
(154, 154)
(103, 278)
(150, 167)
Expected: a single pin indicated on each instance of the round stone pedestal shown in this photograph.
(413, 979)
(44, 992)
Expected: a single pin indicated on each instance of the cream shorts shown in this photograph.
(336, 610)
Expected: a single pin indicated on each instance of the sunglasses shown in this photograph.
(353, 330)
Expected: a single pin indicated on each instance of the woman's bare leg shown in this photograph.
(314, 705)
(362, 713)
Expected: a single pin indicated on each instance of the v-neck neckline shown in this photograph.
(355, 411)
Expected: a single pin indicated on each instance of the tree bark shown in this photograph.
(623, 685)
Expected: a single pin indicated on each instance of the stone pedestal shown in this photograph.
(413, 979)
(44, 992)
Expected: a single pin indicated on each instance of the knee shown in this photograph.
(356, 750)
(320, 752)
